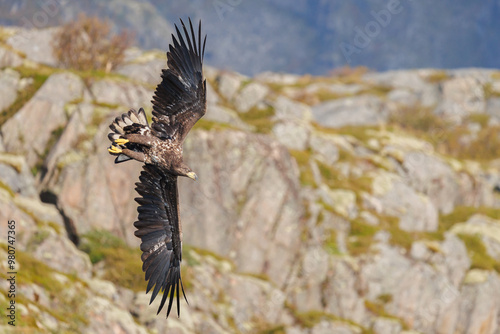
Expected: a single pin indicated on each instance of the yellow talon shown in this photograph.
(121, 141)
(114, 149)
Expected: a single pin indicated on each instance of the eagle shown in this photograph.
(179, 102)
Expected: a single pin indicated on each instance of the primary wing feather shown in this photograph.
(159, 228)
(180, 99)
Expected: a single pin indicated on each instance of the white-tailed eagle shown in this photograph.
(178, 103)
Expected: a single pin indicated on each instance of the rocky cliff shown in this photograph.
(358, 203)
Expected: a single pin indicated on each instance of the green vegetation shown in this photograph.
(37, 239)
(331, 242)
(462, 213)
(378, 308)
(6, 188)
(450, 139)
(302, 158)
(326, 95)
(419, 120)
(384, 298)
(477, 253)
(34, 271)
(272, 329)
(361, 237)
(362, 133)
(377, 90)
(310, 319)
(260, 119)
(485, 147)
(207, 125)
(437, 77)
(332, 178)
(104, 105)
(122, 263)
(489, 92)
(481, 119)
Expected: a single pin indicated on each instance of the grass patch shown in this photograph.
(489, 92)
(5, 187)
(37, 239)
(90, 76)
(260, 119)
(303, 161)
(462, 213)
(378, 90)
(361, 237)
(34, 271)
(123, 264)
(418, 119)
(378, 309)
(64, 308)
(309, 319)
(485, 147)
(477, 253)
(111, 106)
(280, 329)
(359, 132)
(384, 298)
(437, 76)
(449, 139)
(207, 125)
(206, 252)
(332, 178)
(324, 94)
(362, 234)
(481, 119)
(330, 243)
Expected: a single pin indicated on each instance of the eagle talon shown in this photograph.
(121, 141)
(114, 149)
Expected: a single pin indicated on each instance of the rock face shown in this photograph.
(256, 188)
(398, 199)
(36, 44)
(9, 58)
(31, 128)
(368, 110)
(249, 96)
(9, 80)
(462, 96)
(315, 210)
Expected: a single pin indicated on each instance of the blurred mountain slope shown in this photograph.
(302, 36)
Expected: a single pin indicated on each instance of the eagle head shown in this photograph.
(184, 170)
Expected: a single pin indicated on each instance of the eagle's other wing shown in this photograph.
(180, 99)
(159, 228)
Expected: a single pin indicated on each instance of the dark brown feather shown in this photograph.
(158, 226)
(180, 99)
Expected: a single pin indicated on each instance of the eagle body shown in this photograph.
(178, 103)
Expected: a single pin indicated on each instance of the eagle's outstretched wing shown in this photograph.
(180, 99)
(160, 231)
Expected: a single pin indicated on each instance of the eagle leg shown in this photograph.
(134, 138)
(139, 156)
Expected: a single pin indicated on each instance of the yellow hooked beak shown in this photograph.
(192, 175)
